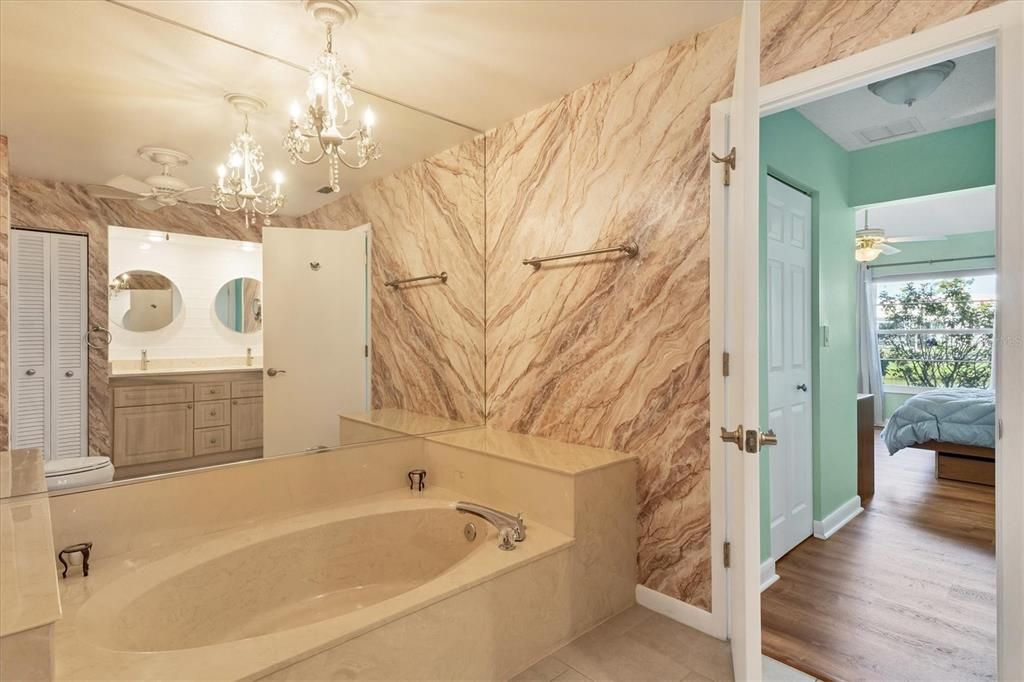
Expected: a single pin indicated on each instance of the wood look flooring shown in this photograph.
(905, 591)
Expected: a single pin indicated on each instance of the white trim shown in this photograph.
(679, 611)
(831, 524)
(1002, 26)
(768, 575)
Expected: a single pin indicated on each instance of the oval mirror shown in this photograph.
(143, 301)
(239, 305)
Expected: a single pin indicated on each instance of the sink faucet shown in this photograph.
(248, 357)
(145, 360)
(511, 529)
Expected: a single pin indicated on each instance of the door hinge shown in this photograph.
(725, 364)
(726, 554)
(366, 351)
(730, 164)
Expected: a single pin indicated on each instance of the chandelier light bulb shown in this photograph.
(369, 119)
(295, 110)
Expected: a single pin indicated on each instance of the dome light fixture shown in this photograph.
(913, 86)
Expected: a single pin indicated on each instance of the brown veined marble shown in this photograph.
(427, 218)
(5, 328)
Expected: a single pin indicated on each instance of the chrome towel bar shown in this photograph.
(395, 283)
(630, 248)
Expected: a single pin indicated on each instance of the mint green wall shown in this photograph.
(796, 152)
(930, 164)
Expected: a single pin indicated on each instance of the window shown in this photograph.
(936, 333)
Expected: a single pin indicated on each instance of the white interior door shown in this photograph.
(788, 270)
(315, 335)
(68, 365)
(30, 339)
(740, 281)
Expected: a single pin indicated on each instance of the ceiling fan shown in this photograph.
(153, 192)
(872, 242)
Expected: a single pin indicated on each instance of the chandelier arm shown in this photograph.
(310, 162)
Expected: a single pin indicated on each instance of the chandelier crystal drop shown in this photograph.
(325, 123)
(240, 187)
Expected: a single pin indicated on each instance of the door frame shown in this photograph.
(1001, 26)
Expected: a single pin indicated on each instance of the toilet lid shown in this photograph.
(75, 465)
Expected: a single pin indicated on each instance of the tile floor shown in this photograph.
(640, 644)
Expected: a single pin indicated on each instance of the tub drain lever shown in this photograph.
(417, 479)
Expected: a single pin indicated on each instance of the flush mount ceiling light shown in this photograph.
(239, 185)
(329, 98)
(908, 88)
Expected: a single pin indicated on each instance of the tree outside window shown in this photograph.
(935, 333)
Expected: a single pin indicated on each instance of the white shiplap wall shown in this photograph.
(198, 266)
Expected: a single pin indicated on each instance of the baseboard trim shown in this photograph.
(831, 524)
(768, 575)
(679, 611)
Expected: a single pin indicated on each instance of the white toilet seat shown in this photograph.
(76, 472)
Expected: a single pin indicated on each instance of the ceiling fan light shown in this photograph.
(908, 88)
(866, 254)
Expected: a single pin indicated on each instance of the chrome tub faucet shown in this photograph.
(511, 529)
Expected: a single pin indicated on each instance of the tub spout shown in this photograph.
(510, 528)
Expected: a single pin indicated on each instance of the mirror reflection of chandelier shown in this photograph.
(239, 183)
(329, 96)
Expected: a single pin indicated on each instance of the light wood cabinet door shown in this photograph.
(152, 433)
(246, 423)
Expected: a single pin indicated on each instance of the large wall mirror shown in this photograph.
(231, 304)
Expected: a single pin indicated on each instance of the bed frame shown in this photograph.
(968, 463)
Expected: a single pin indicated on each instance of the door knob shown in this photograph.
(734, 437)
(30, 372)
(69, 374)
(769, 438)
(802, 387)
(273, 372)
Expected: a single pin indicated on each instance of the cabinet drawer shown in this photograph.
(152, 433)
(157, 394)
(210, 441)
(213, 391)
(212, 413)
(252, 388)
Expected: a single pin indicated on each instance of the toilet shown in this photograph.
(76, 472)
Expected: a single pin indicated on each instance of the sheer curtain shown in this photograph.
(869, 376)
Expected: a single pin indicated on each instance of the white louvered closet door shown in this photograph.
(48, 323)
(68, 371)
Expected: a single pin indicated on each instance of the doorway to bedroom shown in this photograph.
(879, 276)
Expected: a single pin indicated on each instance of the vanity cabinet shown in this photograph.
(171, 417)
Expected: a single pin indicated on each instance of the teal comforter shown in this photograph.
(953, 415)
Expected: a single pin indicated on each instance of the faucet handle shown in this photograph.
(507, 539)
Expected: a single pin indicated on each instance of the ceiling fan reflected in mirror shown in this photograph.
(872, 242)
(155, 191)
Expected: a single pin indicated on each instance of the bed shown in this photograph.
(959, 424)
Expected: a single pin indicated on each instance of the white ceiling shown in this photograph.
(967, 96)
(84, 83)
(942, 214)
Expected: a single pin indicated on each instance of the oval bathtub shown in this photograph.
(296, 578)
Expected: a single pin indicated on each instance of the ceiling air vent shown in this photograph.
(890, 130)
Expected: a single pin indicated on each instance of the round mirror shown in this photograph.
(143, 301)
(239, 305)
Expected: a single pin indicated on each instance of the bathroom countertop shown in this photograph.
(175, 371)
(405, 422)
(566, 458)
(174, 366)
(29, 595)
(21, 473)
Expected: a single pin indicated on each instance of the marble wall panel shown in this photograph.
(65, 207)
(613, 352)
(5, 328)
(427, 218)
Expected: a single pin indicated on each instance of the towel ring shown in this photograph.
(108, 337)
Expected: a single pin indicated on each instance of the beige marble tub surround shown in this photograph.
(28, 575)
(27, 655)
(21, 472)
(427, 218)
(168, 509)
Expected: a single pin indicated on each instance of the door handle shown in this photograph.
(30, 372)
(735, 437)
(768, 438)
(69, 374)
(801, 387)
(273, 372)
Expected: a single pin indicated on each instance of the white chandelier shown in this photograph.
(329, 95)
(239, 185)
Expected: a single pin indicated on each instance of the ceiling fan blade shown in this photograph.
(922, 238)
(107, 192)
(149, 204)
(888, 250)
(130, 184)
